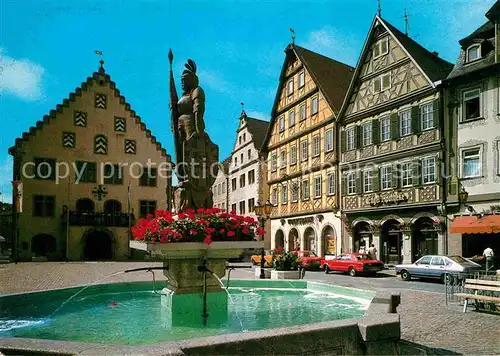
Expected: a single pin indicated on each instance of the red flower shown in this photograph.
(246, 231)
(193, 232)
(231, 233)
(163, 239)
(260, 231)
(149, 216)
(182, 216)
(200, 211)
(209, 230)
(208, 240)
(222, 231)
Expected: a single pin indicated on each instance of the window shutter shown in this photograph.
(376, 179)
(376, 131)
(435, 113)
(394, 126)
(439, 166)
(342, 141)
(376, 85)
(359, 182)
(396, 175)
(344, 185)
(417, 172)
(358, 138)
(415, 119)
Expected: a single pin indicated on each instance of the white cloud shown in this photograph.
(331, 43)
(20, 77)
(214, 81)
(258, 115)
(5, 179)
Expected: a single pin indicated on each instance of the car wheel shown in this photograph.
(447, 278)
(405, 275)
(327, 270)
(352, 271)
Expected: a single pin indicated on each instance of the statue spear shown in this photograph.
(174, 112)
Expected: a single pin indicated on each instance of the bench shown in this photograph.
(478, 285)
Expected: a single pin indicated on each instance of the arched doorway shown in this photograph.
(392, 242)
(279, 239)
(98, 245)
(85, 205)
(310, 240)
(43, 245)
(424, 238)
(329, 240)
(112, 207)
(363, 236)
(293, 240)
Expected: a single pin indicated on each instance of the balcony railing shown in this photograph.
(79, 218)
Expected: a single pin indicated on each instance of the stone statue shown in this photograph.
(195, 152)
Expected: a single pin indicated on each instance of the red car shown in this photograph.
(352, 263)
(308, 259)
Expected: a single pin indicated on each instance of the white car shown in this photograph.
(445, 268)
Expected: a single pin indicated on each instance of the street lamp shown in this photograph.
(463, 196)
(263, 212)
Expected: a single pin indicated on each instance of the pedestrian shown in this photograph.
(488, 255)
(372, 252)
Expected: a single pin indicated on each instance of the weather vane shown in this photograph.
(379, 8)
(293, 35)
(406, 23)
(99, 53)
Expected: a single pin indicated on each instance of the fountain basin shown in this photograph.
(279, 317)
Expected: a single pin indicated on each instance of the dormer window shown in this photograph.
(381, 47)
(473, 53)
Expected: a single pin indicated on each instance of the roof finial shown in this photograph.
(243, 113)
(101, 62)
(379, 8)
(293, 35)
(406, 23)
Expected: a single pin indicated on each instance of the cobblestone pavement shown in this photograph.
(425, 319)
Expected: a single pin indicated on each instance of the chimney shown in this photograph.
(435, 53)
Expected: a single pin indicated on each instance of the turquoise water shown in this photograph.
(132, 314)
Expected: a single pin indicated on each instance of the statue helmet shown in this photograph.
(190, 71)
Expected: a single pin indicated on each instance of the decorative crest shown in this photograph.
(190, 66)
(293, 35)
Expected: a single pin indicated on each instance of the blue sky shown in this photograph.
(47, 50)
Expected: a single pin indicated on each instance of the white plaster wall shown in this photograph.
(220, 199)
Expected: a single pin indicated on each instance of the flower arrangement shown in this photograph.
(203, 225)
(285, 261)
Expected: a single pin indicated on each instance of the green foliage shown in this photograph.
(285, 261)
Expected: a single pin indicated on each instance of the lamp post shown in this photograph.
(263, 212)
(463, 196)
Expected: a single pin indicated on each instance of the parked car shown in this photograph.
(268, 257)
(445, 268)
(308, 259)
(353, 263)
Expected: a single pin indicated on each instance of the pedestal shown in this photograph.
(267, 272)
(285, 274)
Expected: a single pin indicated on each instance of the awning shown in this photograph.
(488, 224)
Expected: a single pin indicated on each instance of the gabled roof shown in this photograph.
(494, 12)
(433, 67)
(72, 97)
(332, 78)
(485, 31)
(224, 165)
(258, 129)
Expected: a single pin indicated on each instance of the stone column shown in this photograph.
(455, 244)
(376, 241)
(441, 244)
(406, 249)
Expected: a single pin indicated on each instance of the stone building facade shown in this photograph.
(220, 187)
(84, 174)
(473, 102)
(301, 152)
(391, 152)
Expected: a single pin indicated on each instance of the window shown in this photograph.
(251, 177)
(130, 146)
(100, 101)
(289, 87)
(305, 189)
(45, 168)
(241, 158)
(274, 162)
(239, 140)
(101, 145)
(291, 118)
(223, 206)
(437, 261)
(386, 176)
(471, 163)
(43, 205)
(219, 189)
(427, 116)
(302, 112)
(223, 187)
(251, 205)
(429, 170)
(367, 134)
(316, 149)
(233, 208)
(112, 206)
(385, 129)
(120, 124)
(330, 184)
(381, 47)
(274, 196)
(242, 181)
(314, 105)
(406, 174)
(249, 154)
(85, 205)
(80, 118)
(294, 189)
(244, 137)
(283, 159)
(424, 260)
(235, 161)
(148, 177)
(242, 207)
(368, 181)
(471, 105)
(382, 83)
(86, 172)
(233, 184)
(351, 183)
(113, 174)
(302, 79)
(282, 123)
(473, 53)
(304, 150)
(284, 194)
(329, 140)
(404, 122)
(350, 139)
(317, 187)
(293, 154)
(69, 139)
(147, 207)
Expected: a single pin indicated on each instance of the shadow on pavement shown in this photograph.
(411, 348)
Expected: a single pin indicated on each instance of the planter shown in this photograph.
(285, 274)
(267, 272)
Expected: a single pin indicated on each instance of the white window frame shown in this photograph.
(473, 46)
(367, 134)
(293, 154)
(289, 87)
(284, 194)
(274, 162)
(368, 181)
(349, 139)
(283, 158)
(330, 183)
(378, 45)
(303, 112)
(304, 153)
(427, 116)
(317, 186)
(314, 108)
(404, 116)
(383, 121)
(385, 175)
(427, 171)
(329, 140)
(291, 118)
(351, 183)
(316, 145)
(478, 95)
(302, 79)
(274, 196)
(406, 174)
(305, 189)
(380, 79)
(294, 192)
(281, 121)
(463, 151)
